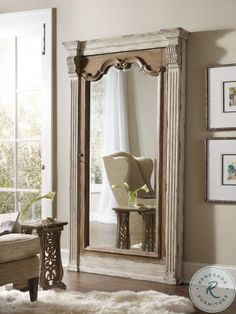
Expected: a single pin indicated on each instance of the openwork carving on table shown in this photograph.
(51, 274)
(149, 237)
(124, 64)
(123, 237)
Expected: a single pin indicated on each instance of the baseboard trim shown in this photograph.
(190, 268)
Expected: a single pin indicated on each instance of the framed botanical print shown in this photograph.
(221, 170)
(221, 97)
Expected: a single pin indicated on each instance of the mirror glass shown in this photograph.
(123, 147)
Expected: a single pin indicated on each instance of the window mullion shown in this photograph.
(15, 130)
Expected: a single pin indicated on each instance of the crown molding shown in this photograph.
(161, 39)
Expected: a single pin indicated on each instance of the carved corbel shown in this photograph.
(73, 63)
(175, 46)
(173, 56)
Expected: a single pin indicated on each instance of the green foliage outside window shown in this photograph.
(97, 100)
(28, 159)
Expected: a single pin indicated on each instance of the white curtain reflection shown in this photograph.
(115, 134)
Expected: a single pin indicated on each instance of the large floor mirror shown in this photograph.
(127, 155)
(123, 148)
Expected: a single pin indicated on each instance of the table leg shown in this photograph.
(122, 236)
(148, 236)
(51, 266)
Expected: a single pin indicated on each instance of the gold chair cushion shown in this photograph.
(15, 246)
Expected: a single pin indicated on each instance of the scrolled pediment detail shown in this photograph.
(123, 64)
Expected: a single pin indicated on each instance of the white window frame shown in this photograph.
(44, 17)
(95, 188)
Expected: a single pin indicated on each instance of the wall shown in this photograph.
(142, 113)
(209, 229)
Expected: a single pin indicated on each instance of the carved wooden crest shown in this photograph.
(123, 65)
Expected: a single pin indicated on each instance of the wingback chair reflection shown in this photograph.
(136, 171)
(19, 261)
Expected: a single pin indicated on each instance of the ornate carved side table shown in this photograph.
(51, 272)
(148, 227)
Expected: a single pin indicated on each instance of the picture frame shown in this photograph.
(221, 170)
(221, 97)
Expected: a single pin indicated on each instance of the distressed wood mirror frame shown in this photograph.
(162, 53)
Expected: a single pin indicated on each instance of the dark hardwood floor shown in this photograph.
(85, 282)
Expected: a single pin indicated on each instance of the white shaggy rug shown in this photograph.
(122, 302)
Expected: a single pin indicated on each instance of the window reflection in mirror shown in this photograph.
(123, 148)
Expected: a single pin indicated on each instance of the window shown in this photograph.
(96, 120)
(25, 110)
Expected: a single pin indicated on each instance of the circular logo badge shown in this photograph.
(212, 289)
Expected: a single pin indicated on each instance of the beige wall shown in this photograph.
(209, 230)
(142, 113)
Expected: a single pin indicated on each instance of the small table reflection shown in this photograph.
(148, 227)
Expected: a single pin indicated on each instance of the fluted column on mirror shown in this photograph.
(174, 167)
(73, 66)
